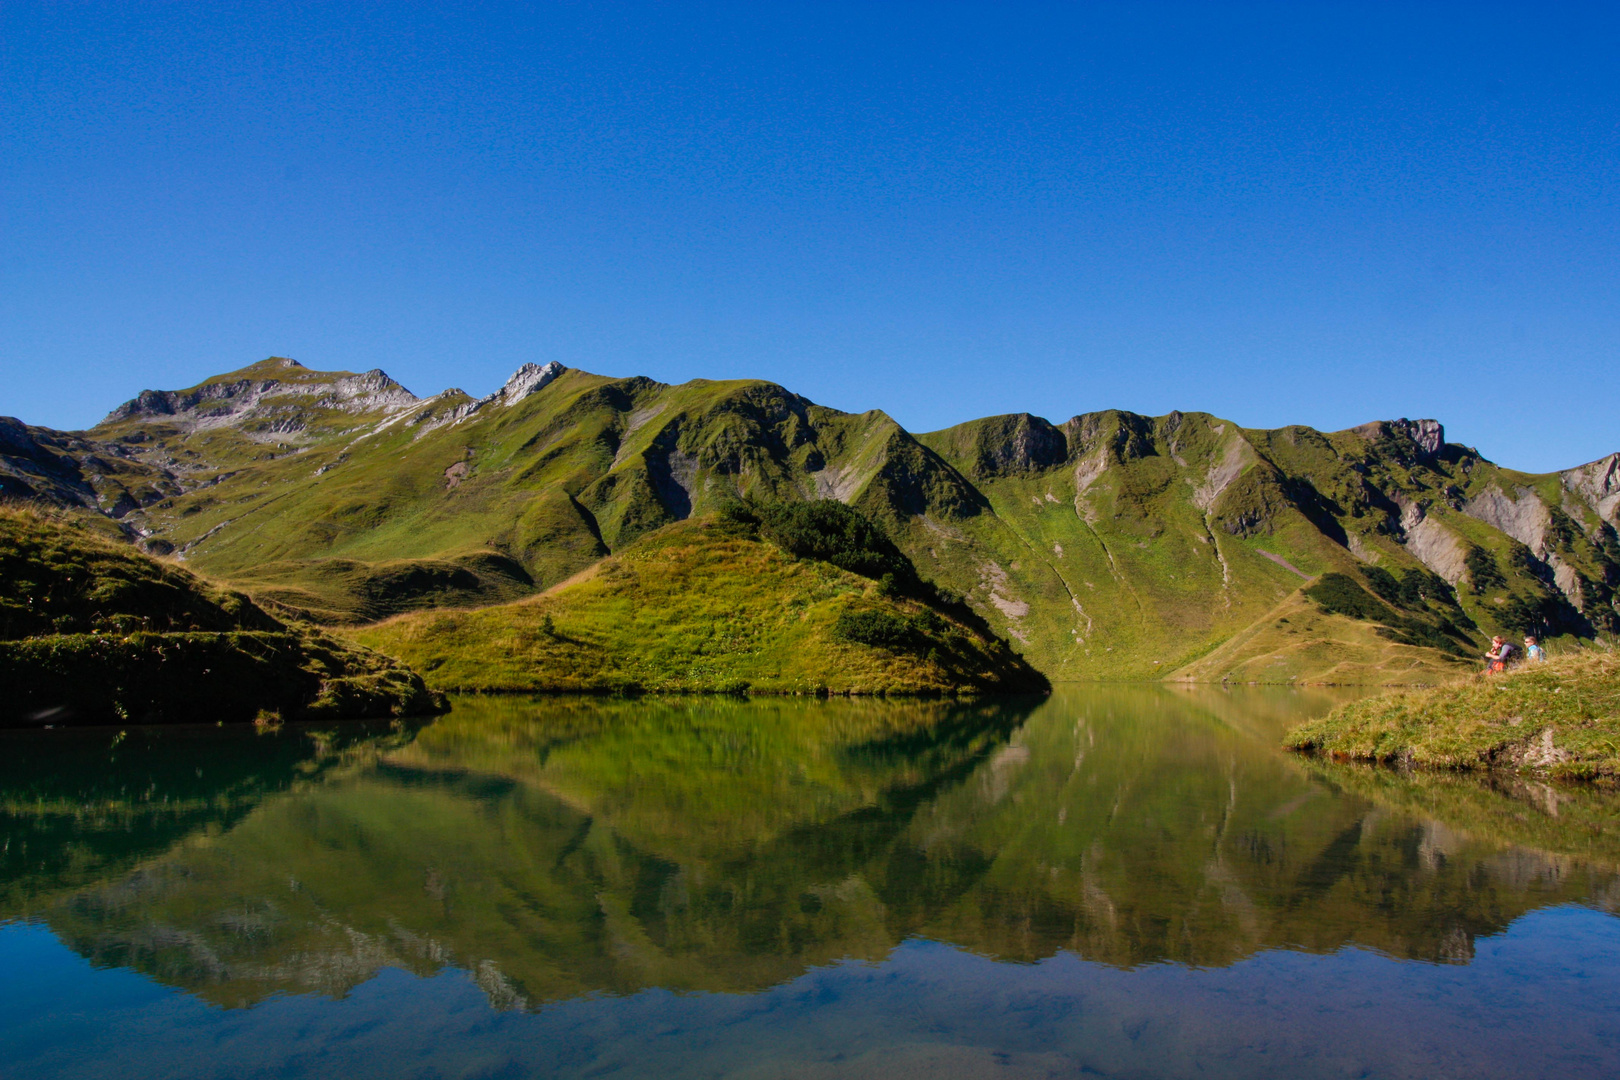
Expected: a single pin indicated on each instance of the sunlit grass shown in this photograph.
(1561, 717)
(698, 607)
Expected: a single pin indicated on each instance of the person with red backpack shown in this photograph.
(1497, 658)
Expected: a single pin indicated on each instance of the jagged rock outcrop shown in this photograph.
(526, 380)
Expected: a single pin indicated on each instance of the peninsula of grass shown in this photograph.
(93, 631)
(715, 605)
(1560, 719)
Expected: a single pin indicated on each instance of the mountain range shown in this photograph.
(1111, 545)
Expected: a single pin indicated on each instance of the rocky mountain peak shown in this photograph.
(1429, 435)
(1598, 483)
(525, 380)
(1426, 436)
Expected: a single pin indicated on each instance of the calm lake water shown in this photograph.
(1115, 881)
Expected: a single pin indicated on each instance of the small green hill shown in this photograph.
(1560, 718)
(715, 604)
(92, 631)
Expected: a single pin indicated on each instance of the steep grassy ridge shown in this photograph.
(1109, 546)
(1560, 718)
(706, 605)
(92, 631)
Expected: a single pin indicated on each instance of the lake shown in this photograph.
(1118, 881)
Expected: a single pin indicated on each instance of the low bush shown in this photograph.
(1340, 594)
(878, 628)
(1483, 570)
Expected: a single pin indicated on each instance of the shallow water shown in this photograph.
(1116, 881)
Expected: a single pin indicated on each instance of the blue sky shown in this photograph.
(1291, 213)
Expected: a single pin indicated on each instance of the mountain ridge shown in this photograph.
(1109, 545)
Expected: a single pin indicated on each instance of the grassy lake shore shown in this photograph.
(1559, 719)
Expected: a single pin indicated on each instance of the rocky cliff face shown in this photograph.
(1109, 545)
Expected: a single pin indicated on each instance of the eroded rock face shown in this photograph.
(67, 469)
(1021, 443)
(1525, 519)
(1435, 546)
(15, 439)
(1528, 520)
(1598, 484)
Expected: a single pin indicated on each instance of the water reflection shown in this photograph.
(564, 848)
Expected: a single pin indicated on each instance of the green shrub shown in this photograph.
(831, 532)
(876, 628)
(834, 533)
(1383, 583)
(1339, 594)
(1483, 570)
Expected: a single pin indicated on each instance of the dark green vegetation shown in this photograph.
(1420, 609)
(1110, 546)
(1560, 718)
(92, 631)
(711, 605)
(560, 848)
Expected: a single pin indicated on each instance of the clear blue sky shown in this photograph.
(1291, 213)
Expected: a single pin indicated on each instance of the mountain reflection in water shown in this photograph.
(560, 848)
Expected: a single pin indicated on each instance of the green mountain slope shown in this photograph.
(1109, 546)
(700, 606)
(1135, 545)
(92, 631)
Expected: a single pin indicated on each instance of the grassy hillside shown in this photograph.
(1109, 546)
(1365, 628)
(1119, 545)
(707, 605)
(1561, 718)
(92, 631)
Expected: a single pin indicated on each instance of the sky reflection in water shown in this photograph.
(1129, 880)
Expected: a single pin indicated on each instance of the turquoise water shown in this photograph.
(1117, 881)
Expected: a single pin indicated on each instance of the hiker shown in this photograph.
(1533, 653)
(1497, 658)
